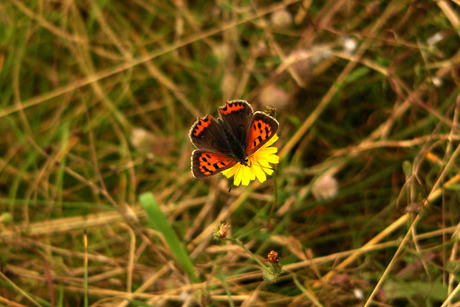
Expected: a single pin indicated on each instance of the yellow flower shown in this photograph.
(258, 165)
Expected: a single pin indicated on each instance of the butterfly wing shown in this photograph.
(236, 117)
(207, 134)
(205, 164)
(263, 128)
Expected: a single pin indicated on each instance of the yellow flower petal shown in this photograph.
(274, 159)
(270, 150)
(260, 174)
(238, 177)
(271, 141)
(230, 172)
(246, 174)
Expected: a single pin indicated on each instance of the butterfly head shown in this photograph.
(244, 161)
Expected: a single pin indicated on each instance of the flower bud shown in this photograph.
(272, 269)
(222, 231)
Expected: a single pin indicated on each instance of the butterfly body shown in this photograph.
(236, 150)
(224, 142)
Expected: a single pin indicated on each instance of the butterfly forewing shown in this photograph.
(237, 116)
(262, 129)
(205, 164)
(206, 134)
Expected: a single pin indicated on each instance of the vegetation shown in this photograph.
(97, 98)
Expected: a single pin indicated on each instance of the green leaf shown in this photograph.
(159, 222)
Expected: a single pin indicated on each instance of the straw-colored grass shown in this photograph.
(97, 98)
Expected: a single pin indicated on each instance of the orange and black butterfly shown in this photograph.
(224, 142)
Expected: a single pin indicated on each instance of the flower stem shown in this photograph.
(253, 256)
(275, 196)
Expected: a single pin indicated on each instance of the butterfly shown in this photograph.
(231, 139)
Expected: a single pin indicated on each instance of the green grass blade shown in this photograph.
(159, 222)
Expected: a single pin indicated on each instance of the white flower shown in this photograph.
(436, 81)
(325, 187)
(359, 294)
(349, 45)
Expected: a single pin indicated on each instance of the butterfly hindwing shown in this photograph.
(207, 134)
(262, 129)
(236, 117)
(205, 164)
